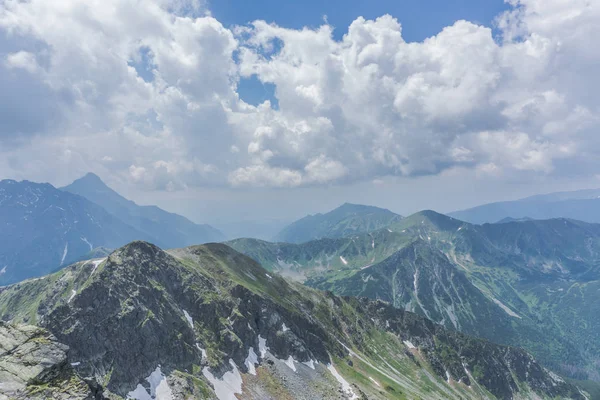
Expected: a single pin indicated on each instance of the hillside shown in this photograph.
(346, 220)
(532, 284)
(212, 323)
(166, 229)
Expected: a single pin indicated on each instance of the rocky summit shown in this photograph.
(208, 322)
(33, 365)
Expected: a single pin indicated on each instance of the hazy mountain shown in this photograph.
(165, 228)
(583, 205)
(533, 284)
(345, 220)
(213, 324)
(44, 228)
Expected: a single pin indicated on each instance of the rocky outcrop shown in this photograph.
(33, 365)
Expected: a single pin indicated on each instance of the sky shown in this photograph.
(269, 110)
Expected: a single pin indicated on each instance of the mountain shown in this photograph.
(348, 219)
(583, 205)
(44, 228)
(165, 228)
(533, 284)
(208, 322)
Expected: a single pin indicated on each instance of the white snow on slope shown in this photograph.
(96, 263)
(290, 363)
(204, 356)
(65, 251)
(506, 309)
(409, 344)
(229, 385)
(284, 328)
(344, 260)
(345, 385)
(374, 381)
(73, 293)
(251, 361)
(310, 364)
(262, 346)
(159, 388)
(189, 318)
(87, 242)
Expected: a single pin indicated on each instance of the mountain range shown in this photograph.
(583, 205)
(207, 322)
(532, 284)
(348, 219)
(44, 228)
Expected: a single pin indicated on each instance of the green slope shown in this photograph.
(527, 283)
(346, 220)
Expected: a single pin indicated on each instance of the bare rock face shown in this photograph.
(33, 365)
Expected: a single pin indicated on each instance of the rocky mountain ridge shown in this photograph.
(212, 323)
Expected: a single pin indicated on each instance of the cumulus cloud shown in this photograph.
(147, 91)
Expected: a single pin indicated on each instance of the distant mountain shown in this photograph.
(510, 219)
(43, 228)
(166, 229)
(206, 322)
(533, 284)
(348, 219)
(583, 205)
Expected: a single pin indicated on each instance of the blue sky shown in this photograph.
(420, 19)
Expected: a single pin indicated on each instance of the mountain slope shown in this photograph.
(44, 228)
(583, 205)
(166, 229)
(531, 284)
(211, 323)
(345, 220)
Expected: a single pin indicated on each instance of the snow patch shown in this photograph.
(3, 270)
(73, 293)
(448, 377)
(310, 364)
(290, 363)
(409, 344)
(345, 385)
(189, 318)
(159, 388)
(374, 381)
(284, 328)
(75, 364)
(262, 346)
(229, 385)
(204, 356)
(269, 276)
(506, 309)
(251, 361)
(65, 251)
(389, 230)
(87, 242)
(96, 263)
(344, 260)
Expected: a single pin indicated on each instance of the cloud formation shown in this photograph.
(147, 91)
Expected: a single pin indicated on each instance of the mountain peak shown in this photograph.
(90, 179)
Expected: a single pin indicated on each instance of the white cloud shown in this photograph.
(147, 91)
